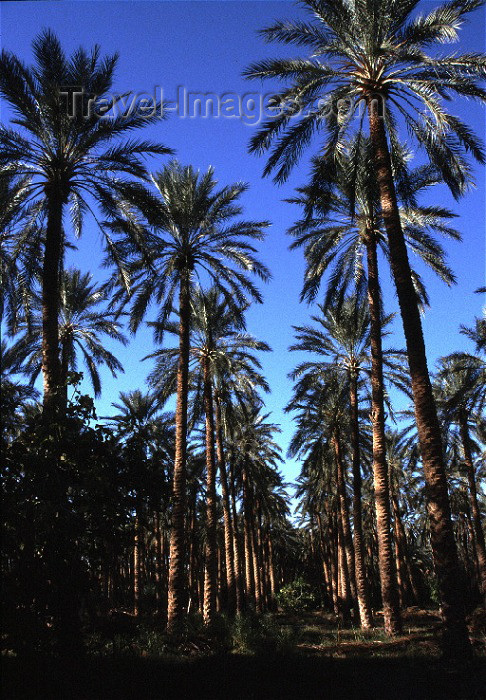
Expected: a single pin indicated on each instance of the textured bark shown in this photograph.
(51, 285)
(211, 568)
(136, 568)
(228, 526)
(344, 590)
(475, 511)
(249, 575)
(455, 638)
(326, 563)
(334, 560)
(405, 588)
(271, 572)
(344, 516)
(177, 577)
(193, 568)
(359, 563)
(386, 564)
(256, 568)
(238, 554)
(159, 570)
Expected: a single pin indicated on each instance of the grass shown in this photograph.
(274, 657)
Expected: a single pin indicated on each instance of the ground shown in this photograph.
(315, 659)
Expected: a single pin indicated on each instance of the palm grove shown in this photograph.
(127, 514)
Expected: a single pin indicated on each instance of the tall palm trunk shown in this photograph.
(159, 573)
(177, 578)
(455, 639)
(136, 567)
(271, 572)
(386, 564)
(51, 282)
(238, 554)
(334, 559)
(257, 573)
(249, 575)
(211, 568)
(344, 516)
(228, 527)
(473, 496)
(360, 571)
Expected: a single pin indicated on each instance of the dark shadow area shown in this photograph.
(245, 677)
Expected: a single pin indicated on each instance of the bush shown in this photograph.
(296, 597)
(261, 635)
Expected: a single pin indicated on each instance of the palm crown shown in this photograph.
(188, 230)
(363, 50)
(83, 325)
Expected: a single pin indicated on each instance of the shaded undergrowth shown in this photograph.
(278, 656)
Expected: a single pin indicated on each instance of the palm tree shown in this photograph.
(344, 338)
(65, 156)
(19, 260)
(374, 54)
(340, 227)
(13, 395)
(461, 390)
(83, 327)
(254, 456)
(221, 363)
(193, 232)
(321, 399)
(145, 434)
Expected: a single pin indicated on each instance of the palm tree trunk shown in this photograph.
(473, 496)
(344, 516)
(193, 570)
(256, 567)
(238, 554)
(455, 639)
(176, 592)
(326, 562)
(401, 554)
(271, 572)
(51, 280)
(334, 560)
(136, 567)
(249, 575)
(159, 567)
(211, 568)
(386, 564)
(228, 528)
(360, 571)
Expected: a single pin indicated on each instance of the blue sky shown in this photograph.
(204, 46)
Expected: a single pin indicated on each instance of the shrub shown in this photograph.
(296, 597)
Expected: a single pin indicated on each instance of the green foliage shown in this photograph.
(296, 597)
(262, 635)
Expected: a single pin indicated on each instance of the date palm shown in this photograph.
(461, 390)
(14, 396)
(84, 325)
(67, 158)
(221, 359)
(191, 228)
(19, 259)
(254, 456)
(341, 226)
(341, 338)
(376, 55)
(147, 436)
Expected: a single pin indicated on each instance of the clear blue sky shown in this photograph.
(204, 46)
